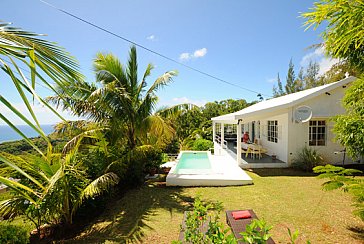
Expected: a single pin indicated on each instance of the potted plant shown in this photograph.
(274, 156)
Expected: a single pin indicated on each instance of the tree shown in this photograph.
(290, 84)
(121, 102)
(338, 72)
(343, 37)
(311, 77)
(349, 127)
(278, 91)
(52, 188)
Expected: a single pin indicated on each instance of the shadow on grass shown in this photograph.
(269, 172)
(357, 232)
(125, 220)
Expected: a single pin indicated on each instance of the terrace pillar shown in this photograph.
(238, 142)
(213, 132)
(222, 135)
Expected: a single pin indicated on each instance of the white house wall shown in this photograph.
(281, 147)
(323, 107)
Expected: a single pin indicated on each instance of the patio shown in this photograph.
(265, 161)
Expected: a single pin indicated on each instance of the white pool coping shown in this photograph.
(225, 172)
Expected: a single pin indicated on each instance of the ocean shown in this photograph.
(8, 134)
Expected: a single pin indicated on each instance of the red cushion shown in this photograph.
(241, 214)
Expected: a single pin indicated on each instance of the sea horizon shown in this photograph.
(7, 134)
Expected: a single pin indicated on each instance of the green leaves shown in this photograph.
(343, 36)
(257, 232)
(341, 178)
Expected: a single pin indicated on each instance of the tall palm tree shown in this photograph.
(119, 99)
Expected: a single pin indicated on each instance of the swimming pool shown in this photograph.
(193, 163)
(197, 168)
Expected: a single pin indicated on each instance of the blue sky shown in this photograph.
(243, 42)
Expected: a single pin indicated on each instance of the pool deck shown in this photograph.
(225, 172)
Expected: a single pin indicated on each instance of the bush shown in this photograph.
(307, 159)
(137, 162)
(13, 234)
(202, 144)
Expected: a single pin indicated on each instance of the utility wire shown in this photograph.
(152, 51)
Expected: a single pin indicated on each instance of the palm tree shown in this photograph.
(52, 192)
(120, 99)
(24, 51)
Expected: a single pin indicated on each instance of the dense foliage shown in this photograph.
(13, 234)
(349, 127)
(194, 124)
(343, 38)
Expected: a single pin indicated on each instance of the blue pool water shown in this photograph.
(193, 162)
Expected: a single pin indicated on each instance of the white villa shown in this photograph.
(274, 126)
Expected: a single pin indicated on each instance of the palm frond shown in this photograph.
(25, 174)
(97, 187)
(162, 81)
(49, 57)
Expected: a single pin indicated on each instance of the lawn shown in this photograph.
(284, 198)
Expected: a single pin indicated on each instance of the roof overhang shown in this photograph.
(269, 106)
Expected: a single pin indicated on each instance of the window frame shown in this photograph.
(317, 133)
(272, 131)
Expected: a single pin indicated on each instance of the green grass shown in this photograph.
(284, 198)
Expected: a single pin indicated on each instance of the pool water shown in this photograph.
(193, 163)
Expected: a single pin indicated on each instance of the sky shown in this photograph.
(243, 42)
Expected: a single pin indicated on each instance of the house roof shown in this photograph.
(282, 102)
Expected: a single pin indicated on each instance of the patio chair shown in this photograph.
(239, 225)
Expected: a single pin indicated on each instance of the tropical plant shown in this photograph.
(344, 179)
(343, 36)
(307, 158)
(42, 59)
(53, 187)
(202, 144)
(349, 127)
(123, 101)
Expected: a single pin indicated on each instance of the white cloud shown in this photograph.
(43, 114)
(184, 56)
(151, 38)
(180, 100)
(199, 53)
(318, 56)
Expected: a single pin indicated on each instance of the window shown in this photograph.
(273, 130)
(317, 133)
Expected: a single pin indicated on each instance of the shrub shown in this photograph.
(13, 234)
(202, 144)
(257, 232)
(138, 161)
(307, 159)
